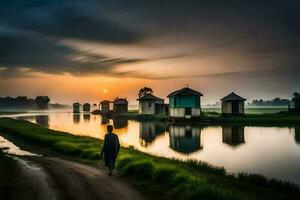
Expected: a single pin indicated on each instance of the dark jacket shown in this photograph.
(110, 149)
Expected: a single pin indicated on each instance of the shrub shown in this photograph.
(123, 161)
(66, 147)
(140, 169)
(165, 173)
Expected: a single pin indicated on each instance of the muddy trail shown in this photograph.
(53, 178)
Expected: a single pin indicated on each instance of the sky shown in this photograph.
(87, 51)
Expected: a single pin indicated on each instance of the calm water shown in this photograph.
(271, 151)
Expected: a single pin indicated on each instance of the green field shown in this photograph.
(178, 180)
(250, 110)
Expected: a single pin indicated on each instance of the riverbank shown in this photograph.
(152, 174)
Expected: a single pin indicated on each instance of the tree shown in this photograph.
(296, 94)
(42, 101)
(145, 91)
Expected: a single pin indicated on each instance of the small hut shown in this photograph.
(104, 107)
(120, 105)
(86, 107)
(233, 104)
(294, 106)
(150, 104)
(77, 107)
(185, 104)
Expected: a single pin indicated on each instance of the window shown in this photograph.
(149, 104)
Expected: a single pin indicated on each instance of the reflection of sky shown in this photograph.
(270, 151)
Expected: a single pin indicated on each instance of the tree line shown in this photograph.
(274, 102)
(23, 102)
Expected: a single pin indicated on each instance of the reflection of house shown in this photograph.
(86, 117)
(233, 134)
(294, 106)
(42, 120)
(297, 134)
(120, 105)
(76, 118)
(150, 104)
(104, 119)
(233, 104)
(104, 107)
(120, 122)
(86, 107)
(185, 139)
(76, 107)
(185, 103)
(149, 130)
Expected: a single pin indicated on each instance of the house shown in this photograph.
(105, 107)
(77, 107)
(233, 134)
(233, 104)
(120, 105)
(185, 104)
(150, 104)
(86, 107)
(294, 106)
(185, 139)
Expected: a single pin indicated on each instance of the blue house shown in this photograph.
(185, 104)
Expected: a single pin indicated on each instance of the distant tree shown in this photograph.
(144, 91)
(42, 101)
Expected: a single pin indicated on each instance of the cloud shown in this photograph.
(24, 52)
(254, 35)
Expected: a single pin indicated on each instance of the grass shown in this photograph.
(178, 180)
(251, 110)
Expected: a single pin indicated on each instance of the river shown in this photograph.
(271, 151)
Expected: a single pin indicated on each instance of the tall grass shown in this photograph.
(171, 178)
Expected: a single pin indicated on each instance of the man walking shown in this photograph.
(110, 149)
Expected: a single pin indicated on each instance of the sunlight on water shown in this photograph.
(8, 147)
(271, 151)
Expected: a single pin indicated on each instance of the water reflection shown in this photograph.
(149, 131)
(86, 117)
(120, 122)
(104, 119)
(76, 118)
(297, 134)
(185, 139)
(42, 120)
(233, 135)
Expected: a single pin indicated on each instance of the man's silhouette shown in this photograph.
(110, 148)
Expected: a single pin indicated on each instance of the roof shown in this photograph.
(104, 101)
(232, 96)
(120, 101)
(149, 97)
(185, 91)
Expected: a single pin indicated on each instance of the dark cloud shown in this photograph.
(265, 32)
(23, 52)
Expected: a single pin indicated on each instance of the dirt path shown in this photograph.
(53, 178)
